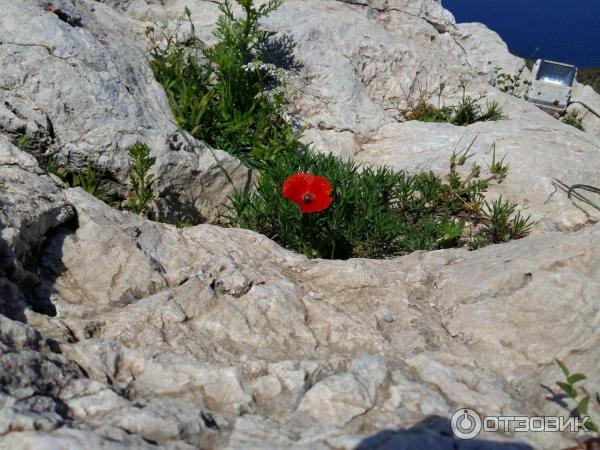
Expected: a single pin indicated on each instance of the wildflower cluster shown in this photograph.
(324, 207)
(267, 70)
(233, 97)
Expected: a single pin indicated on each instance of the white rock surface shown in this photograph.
(117, 332)
(231, 325)
(80, 86)
(537, 153)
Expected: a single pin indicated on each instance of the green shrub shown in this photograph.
(574, 119)
(226, 95)
(510, 84)
(89, 180)
(502, 226)
(141, 198)
(23, 141)
(375, 212)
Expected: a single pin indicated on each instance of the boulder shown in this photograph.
(538, 149)
(32, 204)
(224, 326)
(586, 101)
(120, 332)
(81, 88)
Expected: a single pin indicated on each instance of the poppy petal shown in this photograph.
(319, 204)
(310, 192)
(294, 187)
(320, 185)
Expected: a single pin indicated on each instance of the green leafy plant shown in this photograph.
(492, 112)
(23, 141)
(425, 111)
(141, 198)
(376, 212)
(510, 83)
(574, 119)
(466, 112)
(521, 226)
(502, 227)
(569, 387)
(499, 213)
(227, 94)
(498, 167)
(87, 180)
(51, 165)
(451, 231)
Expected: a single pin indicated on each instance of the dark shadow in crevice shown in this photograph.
(12, 303)
(19, 279)
(62, 15)
(433, 433)
(209, 421)
(46, 263)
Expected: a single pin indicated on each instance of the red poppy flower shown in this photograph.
(310, 192)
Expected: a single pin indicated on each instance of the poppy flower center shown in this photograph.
(308, 197)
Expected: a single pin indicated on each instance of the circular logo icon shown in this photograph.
(466, 424)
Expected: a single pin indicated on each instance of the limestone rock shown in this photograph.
(118, 332)
(81, 88)
(31, 205)
(237, 326)
(586, 101)
(537, 153)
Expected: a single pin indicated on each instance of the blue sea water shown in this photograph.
(560, 30)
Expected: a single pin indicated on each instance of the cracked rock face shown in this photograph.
(217, 338)
(121, 333)
(79, 85)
